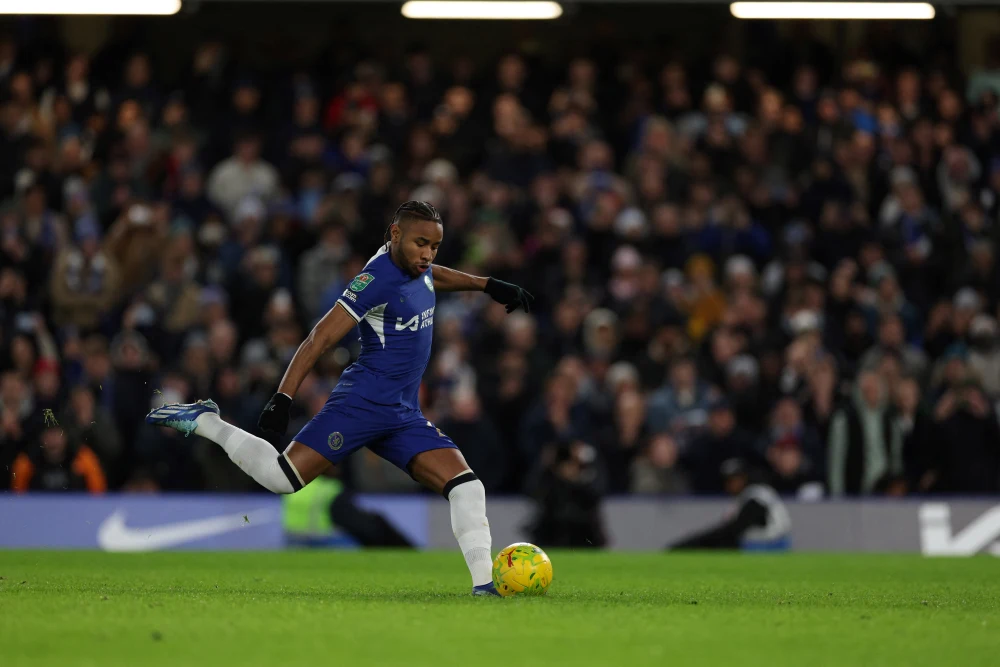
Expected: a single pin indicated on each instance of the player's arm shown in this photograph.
(450, 280)
(328, 331)
(512, 296)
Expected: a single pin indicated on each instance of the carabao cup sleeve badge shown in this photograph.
(361, 282)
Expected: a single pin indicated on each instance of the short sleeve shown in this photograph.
(362, 294)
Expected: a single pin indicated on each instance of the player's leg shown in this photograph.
(446, 472)
(432, 459)
(286, 472)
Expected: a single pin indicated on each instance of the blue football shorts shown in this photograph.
(349, 422)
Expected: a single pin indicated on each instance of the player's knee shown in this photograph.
(465, 487)
(289, 481)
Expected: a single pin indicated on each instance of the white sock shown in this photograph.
(256, 457)
(472, 529)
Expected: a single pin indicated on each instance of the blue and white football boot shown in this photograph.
(485, 589)
(181, 416)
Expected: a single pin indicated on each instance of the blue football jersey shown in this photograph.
(395, 314)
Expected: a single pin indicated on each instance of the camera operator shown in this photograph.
(759, 521)
(568, 487)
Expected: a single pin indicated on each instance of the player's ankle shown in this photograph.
(208, 425)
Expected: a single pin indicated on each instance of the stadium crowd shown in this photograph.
(791, 266)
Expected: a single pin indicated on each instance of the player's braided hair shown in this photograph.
(412, 209)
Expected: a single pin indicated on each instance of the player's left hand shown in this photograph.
(509, 295)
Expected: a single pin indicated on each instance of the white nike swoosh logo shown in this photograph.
(114, 535)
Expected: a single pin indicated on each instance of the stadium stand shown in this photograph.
(791, 262)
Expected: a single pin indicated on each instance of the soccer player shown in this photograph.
(375, 403)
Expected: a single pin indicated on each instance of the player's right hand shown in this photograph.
(274, 416)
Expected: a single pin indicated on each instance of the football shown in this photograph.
(522, 569)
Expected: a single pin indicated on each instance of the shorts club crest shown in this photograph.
(336, 441)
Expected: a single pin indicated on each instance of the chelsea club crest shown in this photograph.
(336, 441)
(429, 282)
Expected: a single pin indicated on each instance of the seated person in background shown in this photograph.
(57, 465)
(758, 522)
(313, 516)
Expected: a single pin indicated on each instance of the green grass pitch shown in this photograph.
(406, 608)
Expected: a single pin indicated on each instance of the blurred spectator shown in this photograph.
(865, 445)
(85, 280)
(823, 395)
(621, 445)
(966, 456)
(918, 432)
(656, 470)
(87, 423)
(743, 387)
(984, 355)
(476, 436)
(319, 265)
(242, 175)
(47, 386)
(986, 78)
(126, 390)
(17, 404)
(58, 464)
(196, 363)
(559, 416)
(721, 441)
(510, 396)
(135, 241)
(891, 341)
(704, 301)
(792, 449)
(174, 296)
(254, 288)
(17, 420)
(680, 408)
(886, 298)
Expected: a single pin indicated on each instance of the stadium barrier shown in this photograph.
(230, 522)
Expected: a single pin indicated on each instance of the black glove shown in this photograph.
(509, 295)
(274, 416)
